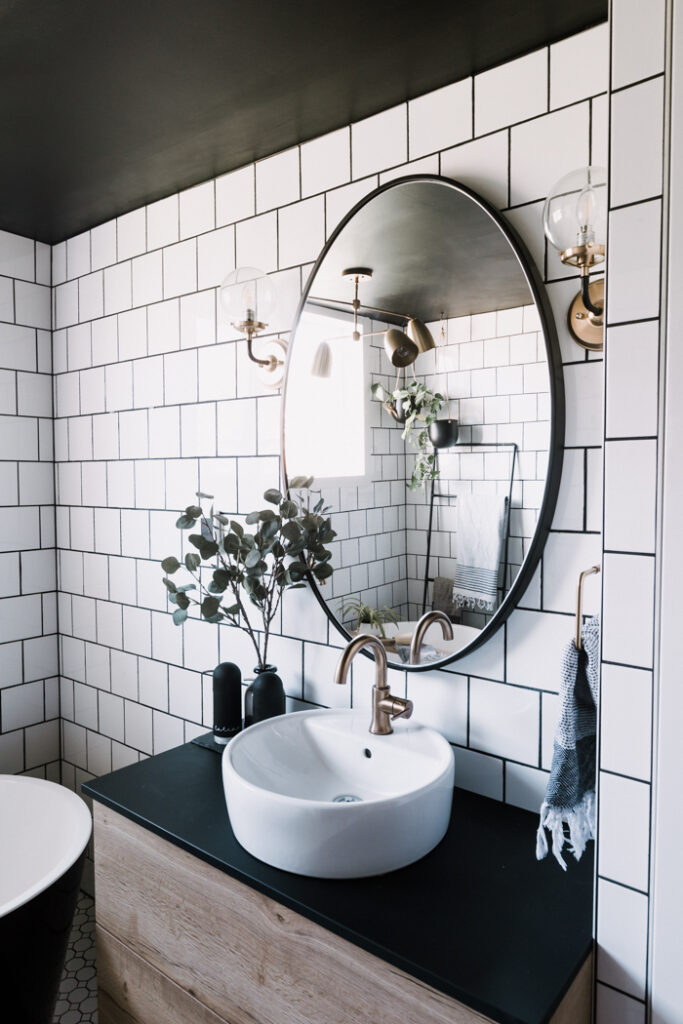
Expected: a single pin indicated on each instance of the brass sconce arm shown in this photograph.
(585, 296)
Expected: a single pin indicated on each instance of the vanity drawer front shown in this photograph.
(244, 957)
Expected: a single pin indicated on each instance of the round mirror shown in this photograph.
(423, 393)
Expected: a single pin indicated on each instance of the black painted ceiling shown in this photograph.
(109, 104)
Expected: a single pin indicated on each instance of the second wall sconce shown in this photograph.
(249, 299)
(575, 223)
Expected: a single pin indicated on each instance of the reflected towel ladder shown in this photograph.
(436, 494)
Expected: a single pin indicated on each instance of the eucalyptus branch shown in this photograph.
(287, 545)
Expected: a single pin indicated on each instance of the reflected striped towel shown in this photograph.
(570, 795)
(482, 524)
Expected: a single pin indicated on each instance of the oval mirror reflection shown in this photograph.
(423, 394)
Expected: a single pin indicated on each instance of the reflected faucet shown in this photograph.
(422, 626)
(384, 705)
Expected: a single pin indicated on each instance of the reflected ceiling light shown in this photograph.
(322, 361)
(575, 223)
(249, 299)
(421, 335)
(400, 350)
(402, 347)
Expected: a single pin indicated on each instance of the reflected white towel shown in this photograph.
(482, 524)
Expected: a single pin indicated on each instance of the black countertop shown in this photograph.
(478, 918)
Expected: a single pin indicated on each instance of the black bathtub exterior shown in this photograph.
(33, 941)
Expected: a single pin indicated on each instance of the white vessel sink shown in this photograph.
(317, 794)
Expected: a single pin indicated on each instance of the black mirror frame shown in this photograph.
(557, 412)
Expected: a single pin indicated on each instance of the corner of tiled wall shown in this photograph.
(29, 693)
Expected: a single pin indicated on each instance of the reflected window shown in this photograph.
(338, 457)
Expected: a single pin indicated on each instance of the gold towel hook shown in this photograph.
(579, 595)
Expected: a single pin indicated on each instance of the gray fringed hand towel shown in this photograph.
(570, 795)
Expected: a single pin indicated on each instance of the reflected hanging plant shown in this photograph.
(251, 570)
(418, 406)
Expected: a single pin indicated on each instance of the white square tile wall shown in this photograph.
(29, 699)
(632, 367)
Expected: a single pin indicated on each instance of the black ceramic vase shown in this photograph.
(265, 696)
(443, 433)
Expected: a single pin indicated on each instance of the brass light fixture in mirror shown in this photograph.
(465, 537)
(575, 223)
(401, 347)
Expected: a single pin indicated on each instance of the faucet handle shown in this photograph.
(396, 707)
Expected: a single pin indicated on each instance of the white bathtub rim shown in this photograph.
(74, 815)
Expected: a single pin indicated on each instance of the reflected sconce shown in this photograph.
(249, 299)
(402, 347)
(575, 223)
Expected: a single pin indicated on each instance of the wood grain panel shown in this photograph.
(248, 958)
(133, 992)
(199, 946)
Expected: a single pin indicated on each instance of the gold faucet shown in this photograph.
(384, 705)
(423, 625)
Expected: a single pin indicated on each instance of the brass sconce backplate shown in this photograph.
(585, 327)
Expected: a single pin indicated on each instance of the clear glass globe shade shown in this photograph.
(575, 212)
(247, 295)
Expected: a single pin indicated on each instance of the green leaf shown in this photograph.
(323, 571)
(291, 531)
(253, 558)
(208, 549)
(170, 585)
(231, 544)
(192, 561)
(288, 509)
(210, 606)
(220, 581)
(200, 494)
(232, 610)
(252, 518)
(236, 528)
(193, 511)
(196, 540)
(179, 616)
(297, 586)
(170, 565)
(270, 529)
(188, 586)
(301, 482)
(266, 515)
(273, 496)
(223, 520)
(182, 600)
(185, 522)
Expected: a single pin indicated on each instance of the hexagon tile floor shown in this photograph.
(77, 1001)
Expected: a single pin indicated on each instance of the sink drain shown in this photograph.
(347, 798)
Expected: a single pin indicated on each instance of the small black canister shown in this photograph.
(227, 701)
(265, 697)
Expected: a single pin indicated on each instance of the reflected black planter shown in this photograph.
(443, 433)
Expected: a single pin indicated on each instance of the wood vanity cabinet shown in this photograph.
(180, 942)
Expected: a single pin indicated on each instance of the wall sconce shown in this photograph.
(249, 299)
(575, 223)
(402, 347)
